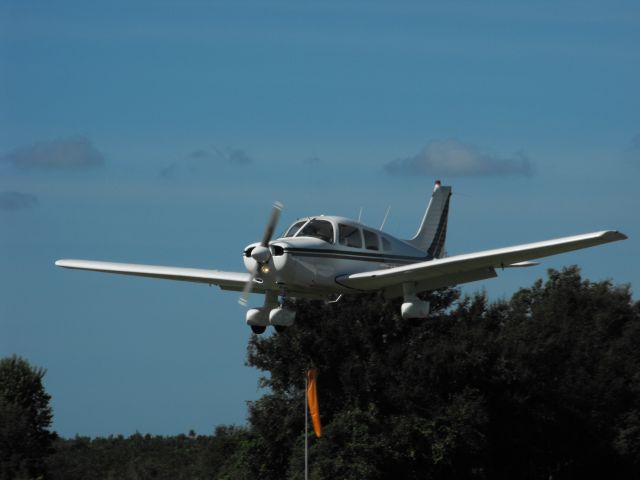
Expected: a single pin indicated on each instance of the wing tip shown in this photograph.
(69, 263)
(614, 235)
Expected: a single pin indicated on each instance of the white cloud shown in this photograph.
(634, 145)
(64, 154)
(17, 200)
(630, 155)
(452, 157)
(239, 157)
(205, 161)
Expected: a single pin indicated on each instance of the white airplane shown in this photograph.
(325, 257)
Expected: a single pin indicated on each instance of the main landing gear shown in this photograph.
(271, 313)
(412, 306)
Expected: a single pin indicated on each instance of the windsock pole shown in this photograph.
(306, 428)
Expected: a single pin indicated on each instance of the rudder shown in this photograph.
(432, 233)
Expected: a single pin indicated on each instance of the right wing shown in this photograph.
(225, 280)
(442, 272)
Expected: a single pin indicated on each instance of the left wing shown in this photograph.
(225, 280)
(447, 271)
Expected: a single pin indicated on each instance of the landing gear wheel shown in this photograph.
(258, 329)
(280, 328)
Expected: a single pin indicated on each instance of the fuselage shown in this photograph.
(312, 252)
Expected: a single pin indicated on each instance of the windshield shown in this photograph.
(321, 229)
(293, 229)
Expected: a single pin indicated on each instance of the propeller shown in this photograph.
(261, 253)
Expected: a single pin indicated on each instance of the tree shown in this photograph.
(568, 385)
(25, 418)
(544, 385)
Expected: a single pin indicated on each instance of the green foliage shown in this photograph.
(546, 384)
(141, 457)
(25, 418)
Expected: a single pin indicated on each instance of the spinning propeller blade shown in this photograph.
(262, 255)
(271, 224)
(246, 291)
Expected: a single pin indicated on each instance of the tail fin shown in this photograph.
(433, 230)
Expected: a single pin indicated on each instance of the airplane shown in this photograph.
(326, 257)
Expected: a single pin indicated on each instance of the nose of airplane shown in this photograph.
(266, 261)
(260, 254)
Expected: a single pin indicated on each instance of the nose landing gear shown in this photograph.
(281, 318)
(271, 313)
(257, 329)
(257, 319)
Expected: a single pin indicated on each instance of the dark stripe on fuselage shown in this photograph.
(349, 255)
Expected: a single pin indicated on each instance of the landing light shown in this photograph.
(264, 269)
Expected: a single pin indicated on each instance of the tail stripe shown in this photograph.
(432, 233)
(436, 249)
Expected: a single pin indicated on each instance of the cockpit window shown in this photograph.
(386, 244)
(293, 229)
(321, 229)
(350, 236)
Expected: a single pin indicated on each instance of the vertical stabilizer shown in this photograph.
(433, 230)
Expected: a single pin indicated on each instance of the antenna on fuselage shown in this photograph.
(360, 215)
(385, 217)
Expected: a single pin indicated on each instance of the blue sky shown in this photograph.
(160, 132)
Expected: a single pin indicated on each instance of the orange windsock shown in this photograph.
(312, 398)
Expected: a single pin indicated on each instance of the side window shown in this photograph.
(386, 244)
(349, 236)
(370, 240)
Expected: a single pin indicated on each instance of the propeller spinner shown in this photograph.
(261, 253)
